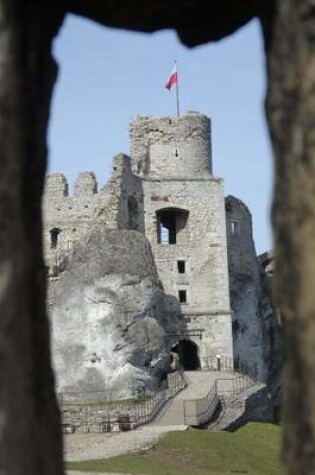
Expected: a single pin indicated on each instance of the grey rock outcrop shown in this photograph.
(107, 315)
(257, 336)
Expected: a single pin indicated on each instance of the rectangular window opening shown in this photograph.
(167, 228)
(182, 296)
(181, 267)
(234, 227)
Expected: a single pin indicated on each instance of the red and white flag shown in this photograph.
(172, 79)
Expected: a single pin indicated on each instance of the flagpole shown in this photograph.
(177, 93)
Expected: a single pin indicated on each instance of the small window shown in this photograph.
(234, 228)
(181, 267)
(182, 296)
(54, 237)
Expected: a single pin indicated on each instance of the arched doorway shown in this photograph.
(188, 354)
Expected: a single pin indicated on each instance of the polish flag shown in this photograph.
(172, 79)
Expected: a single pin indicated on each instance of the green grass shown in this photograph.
(252, 450)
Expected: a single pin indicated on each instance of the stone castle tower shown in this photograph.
(184, 220)
(165, 190)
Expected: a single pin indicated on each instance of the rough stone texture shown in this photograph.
(107, 318)
(201, 243)
(30, 442)
(273, 331)
(171, 147)
(245, 289)
(170, 169)
(177, 168)
(209, 228)
(118, 205)
(250, 405)
(290, 47)
(25, 90)
(196, 21)
(257, 334)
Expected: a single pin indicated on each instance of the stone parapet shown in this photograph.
(171, 146)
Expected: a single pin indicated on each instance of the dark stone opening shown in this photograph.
(181, 267)
(187, 351)
(54, 233)
(169, 223)
(182, 296)
(133, 213)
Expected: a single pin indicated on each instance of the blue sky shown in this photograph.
(107, 76)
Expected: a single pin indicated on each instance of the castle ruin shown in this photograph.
(166, 191)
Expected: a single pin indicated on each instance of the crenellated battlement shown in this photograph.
(56, 185)
(85, 185)
(117, 205)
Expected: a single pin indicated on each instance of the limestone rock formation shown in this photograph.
(107, 315)
(257, 335)
(272, 332)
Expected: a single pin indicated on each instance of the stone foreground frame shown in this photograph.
(30, 440)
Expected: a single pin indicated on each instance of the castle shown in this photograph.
(165, 190)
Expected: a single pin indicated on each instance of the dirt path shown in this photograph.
(79, 447)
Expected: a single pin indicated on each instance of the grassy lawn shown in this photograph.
(252, 450)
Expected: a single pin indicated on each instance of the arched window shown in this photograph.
(172, 224)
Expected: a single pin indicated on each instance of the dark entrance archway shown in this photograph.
(187, 351)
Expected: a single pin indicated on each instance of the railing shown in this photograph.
(100, 418)
(233, 386)
(226, 363)
(99, 412)
(217, 363)
(200, 411)
(147, 410)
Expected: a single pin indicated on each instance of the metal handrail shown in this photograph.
(103, 419)
(145, 412)
(199, 411)
(226, 363)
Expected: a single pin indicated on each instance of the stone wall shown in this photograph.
(245, 288)
(202, 246)
(171, 146)
(137, 196)
(257, 335)
(108, 325)
(119, 205)
(173, 155)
